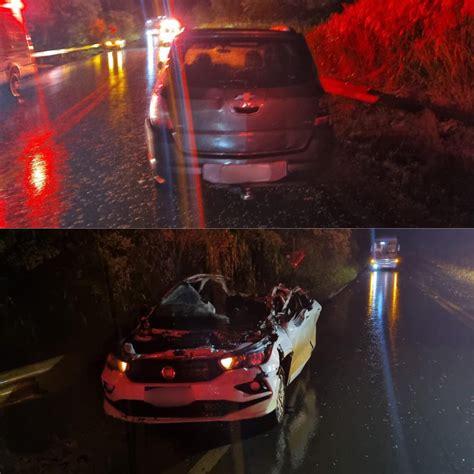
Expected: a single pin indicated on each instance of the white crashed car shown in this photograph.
(206, 353)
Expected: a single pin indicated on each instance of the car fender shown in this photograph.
(284, 343)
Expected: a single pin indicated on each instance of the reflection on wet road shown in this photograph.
(80, 135)
(387, 391)
(383, 305)
(74, 149)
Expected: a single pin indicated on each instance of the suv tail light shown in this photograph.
(322, 116)
(282, 28)
(159, 111)
(321, 120)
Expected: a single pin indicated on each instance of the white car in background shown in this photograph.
(206, 353)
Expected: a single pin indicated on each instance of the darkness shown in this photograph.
(451, 244)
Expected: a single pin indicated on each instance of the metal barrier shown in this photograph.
(17, 379)
(57, 52)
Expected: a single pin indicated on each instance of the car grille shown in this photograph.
(194, 370)
(196, 409)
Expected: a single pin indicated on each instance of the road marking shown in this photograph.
(457, 311)
(207, 463)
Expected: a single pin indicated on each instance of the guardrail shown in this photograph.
(58, 52)
(370, 96)
(346, 89)
(16, 379)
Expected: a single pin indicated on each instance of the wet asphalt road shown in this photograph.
(389, 389)
(73, 155)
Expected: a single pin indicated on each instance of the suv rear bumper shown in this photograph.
(165, 160)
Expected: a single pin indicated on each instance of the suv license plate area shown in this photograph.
(248, 173)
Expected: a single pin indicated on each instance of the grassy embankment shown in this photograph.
(85, 289)
(412, 164)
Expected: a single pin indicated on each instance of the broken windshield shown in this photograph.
(185, 308)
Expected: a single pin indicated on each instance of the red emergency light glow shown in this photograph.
(16, 6)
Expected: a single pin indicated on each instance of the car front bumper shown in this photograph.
(233, 170)
(214, 400)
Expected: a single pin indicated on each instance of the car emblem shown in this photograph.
(245, 97)
(168, 373)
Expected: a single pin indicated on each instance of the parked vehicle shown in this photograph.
(114, 43)
(238, 107)
(385, 253)
(163, 30)
(16, 61)
(207, 353)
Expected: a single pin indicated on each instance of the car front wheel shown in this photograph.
(280, 409)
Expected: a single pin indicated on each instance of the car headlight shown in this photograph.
(114, 363)
(109, 43)
(251, 358)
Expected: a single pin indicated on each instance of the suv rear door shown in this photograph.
(248, 95)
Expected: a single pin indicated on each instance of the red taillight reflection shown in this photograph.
(42, 159)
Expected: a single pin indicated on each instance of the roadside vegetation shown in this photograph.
(66, 289)
(68, 23)
(300, 14)
(412, 154)
(421, 49)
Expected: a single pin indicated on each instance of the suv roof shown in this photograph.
(218, 32)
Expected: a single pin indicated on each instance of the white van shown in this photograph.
(16, 61)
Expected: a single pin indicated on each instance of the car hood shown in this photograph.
(196, 343)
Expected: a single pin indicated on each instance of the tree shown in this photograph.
(125, 24)
(40, 17)
(69, 22)
(226, 9)
(265, 11)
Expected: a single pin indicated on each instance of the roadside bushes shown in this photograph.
(84, 288)
(417, 48)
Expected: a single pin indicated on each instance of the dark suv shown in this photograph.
(237, 107)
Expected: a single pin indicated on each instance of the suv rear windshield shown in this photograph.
(249, 62)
